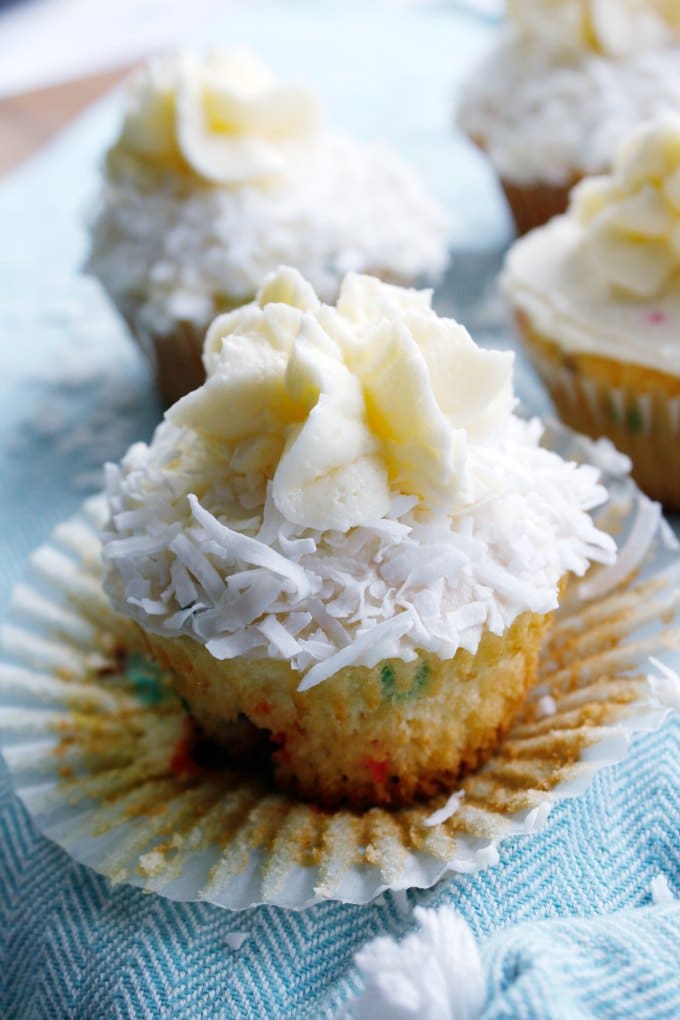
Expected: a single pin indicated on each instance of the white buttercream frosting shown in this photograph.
(350, 484)
(551, 117)
(223, 119)
(603, 279)
(346, 405)
(220, 174)
(611, 27)
(631, 217)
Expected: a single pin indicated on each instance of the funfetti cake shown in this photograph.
(347, 538)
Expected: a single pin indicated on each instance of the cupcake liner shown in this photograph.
(103, 756)
(535, 203)
(532, 205)
(645, 425)
(174, 354)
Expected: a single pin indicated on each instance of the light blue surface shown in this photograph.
(73, 392)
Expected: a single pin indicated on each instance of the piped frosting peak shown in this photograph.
(613, 28)
(631, 217)
(223, 119)
(344, 406)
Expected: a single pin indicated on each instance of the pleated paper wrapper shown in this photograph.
(102, 753)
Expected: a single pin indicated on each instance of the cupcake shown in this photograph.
(218, 175)
(597, 299)
(565, 85)
(347, 543)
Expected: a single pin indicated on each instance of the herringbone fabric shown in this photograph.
(565, 921)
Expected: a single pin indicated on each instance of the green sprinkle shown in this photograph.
(185, 704)
(612, 410)
(421, 678)
(387, 682)
(146, 678)
(634, 420)
(392, 692)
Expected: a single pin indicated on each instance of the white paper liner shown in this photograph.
(95, 738)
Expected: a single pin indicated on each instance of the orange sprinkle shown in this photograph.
(378, 769)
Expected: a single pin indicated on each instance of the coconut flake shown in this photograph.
(249, 550)
(447, 811)
(632, 554)
(322, 600)
(366, 650)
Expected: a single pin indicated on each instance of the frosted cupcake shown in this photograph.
(219, 174)
(348, 539)
(597, 296)
(567, 82)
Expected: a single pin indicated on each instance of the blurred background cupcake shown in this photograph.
(220, 174)
(567, 82)
(597, 298)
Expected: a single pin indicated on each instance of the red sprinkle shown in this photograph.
(262, 708)
(279, 741)
(182, 761)
(656, 318)
(378, 769)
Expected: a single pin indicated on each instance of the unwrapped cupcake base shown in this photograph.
(104, 756)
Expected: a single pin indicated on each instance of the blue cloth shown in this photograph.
(565, 921)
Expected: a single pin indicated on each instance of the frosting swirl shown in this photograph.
(342, 407)
(223, 119)
(631, 217)
(613, 28)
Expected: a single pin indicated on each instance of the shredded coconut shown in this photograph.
(567, 116)
(447, 811)
(192, 250)
(194, 549)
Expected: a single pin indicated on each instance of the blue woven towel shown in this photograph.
(565, 922)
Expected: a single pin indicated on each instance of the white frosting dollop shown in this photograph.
(224, 119)
(631, 217)
(345, 405)
(567, 114)
(349, 485)
(603, 278)
(610, 27)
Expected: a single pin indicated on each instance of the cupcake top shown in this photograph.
(614, 28)
(220, 173)
(223, 120)
(349, 485)
(605, 278)
(568, 81)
